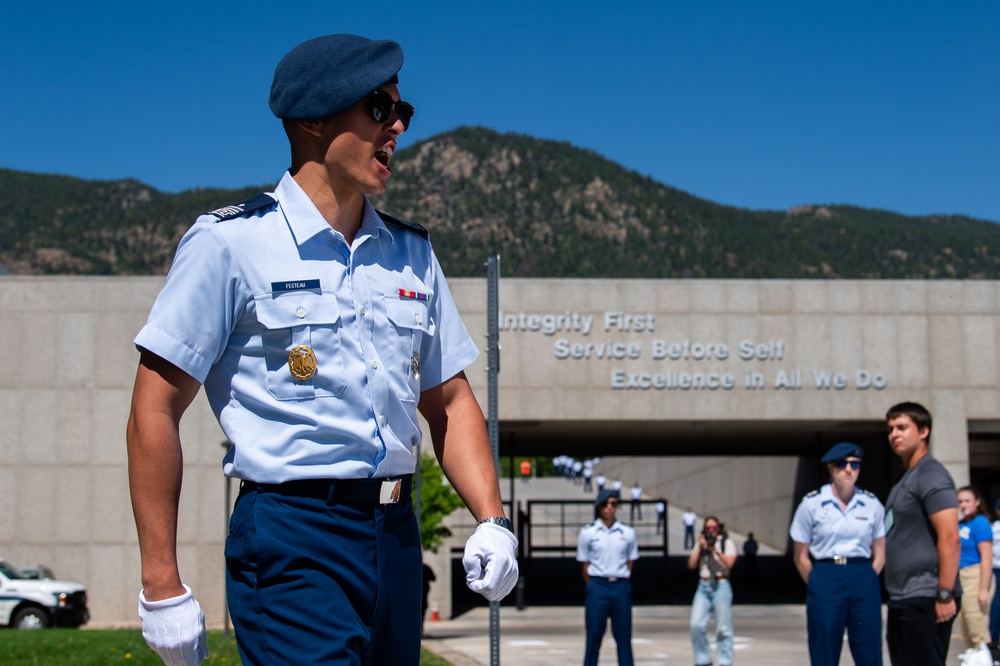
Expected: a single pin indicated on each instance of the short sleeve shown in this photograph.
(800, 530)
(937, 490)
(451, 350)
(193, 316)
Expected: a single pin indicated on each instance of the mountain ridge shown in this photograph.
(548, 208)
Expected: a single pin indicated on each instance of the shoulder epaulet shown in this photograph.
(412, 226)
(813, 493)
(244, 207)
(869, 494)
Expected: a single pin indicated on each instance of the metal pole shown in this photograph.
(493, 369)
(228, 495)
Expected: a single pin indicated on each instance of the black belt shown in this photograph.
(612, 579)
(837, 559)
(372, 491)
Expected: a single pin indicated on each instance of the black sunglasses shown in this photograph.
(841, 464)
(383, 104)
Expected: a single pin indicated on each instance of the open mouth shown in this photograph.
(383, 155)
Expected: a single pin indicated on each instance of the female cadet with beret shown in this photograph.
(842, 528)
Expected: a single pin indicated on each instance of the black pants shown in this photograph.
(913, 634)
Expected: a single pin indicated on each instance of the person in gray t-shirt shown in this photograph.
(921, 546)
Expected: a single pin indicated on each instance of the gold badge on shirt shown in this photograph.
(302, 362)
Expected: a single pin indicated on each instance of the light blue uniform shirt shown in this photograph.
(243, 292)
(608, 550)
(829, 530)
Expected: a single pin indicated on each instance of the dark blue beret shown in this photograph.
(330, 74)
(843, 450)
(605, 495)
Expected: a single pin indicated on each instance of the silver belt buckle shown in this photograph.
(612, 579)
(839, 559)
(389, 492)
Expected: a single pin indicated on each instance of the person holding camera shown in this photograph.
(713, 557)
(838, 536)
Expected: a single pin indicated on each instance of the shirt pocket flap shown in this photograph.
(412, 314)
(304, 309)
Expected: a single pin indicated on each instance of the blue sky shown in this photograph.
(761, 105)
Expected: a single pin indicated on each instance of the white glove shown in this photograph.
(174, 629)
(490, 561)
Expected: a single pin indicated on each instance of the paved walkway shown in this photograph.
(765, 636)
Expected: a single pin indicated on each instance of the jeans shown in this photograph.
(712, 595)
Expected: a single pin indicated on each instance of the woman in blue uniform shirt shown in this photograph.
(839, 549)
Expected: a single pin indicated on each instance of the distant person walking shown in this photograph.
(635, 494)
(750, 548)
(601, 481)
(661, 516)
(525, 470)
(606, 550)
(838, 535)
(689, 518)
(588, 476)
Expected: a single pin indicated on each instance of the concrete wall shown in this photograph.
(67, 366)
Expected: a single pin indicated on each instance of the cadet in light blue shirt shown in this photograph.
(839, 550)
(317, 326)
(606, 549)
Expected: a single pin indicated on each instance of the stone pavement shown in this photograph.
(553, 636)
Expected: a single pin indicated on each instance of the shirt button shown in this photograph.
(301, 312)
(381, 419)
(362, 311)
(374, 365)
(419, 318)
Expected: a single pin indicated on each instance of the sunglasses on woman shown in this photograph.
(841, 464)
(383, 104)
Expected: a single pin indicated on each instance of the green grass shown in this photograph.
(99, 647)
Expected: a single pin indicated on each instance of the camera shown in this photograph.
(710, 540)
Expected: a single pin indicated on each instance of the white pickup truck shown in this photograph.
(30, 603)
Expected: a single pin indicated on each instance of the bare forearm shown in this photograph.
(802, 562)
(462, 446)
(878, 554)
(985, 567)
(948, 547)
(155, 469)
(467, 460)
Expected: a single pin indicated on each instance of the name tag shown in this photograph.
(293, 285)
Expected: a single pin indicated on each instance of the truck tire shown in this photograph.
(31, 617)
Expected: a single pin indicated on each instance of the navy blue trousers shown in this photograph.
(842, 596)
(604, 600)
(314, 580)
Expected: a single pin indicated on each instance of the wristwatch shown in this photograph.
(944, 595)
(498, 520)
